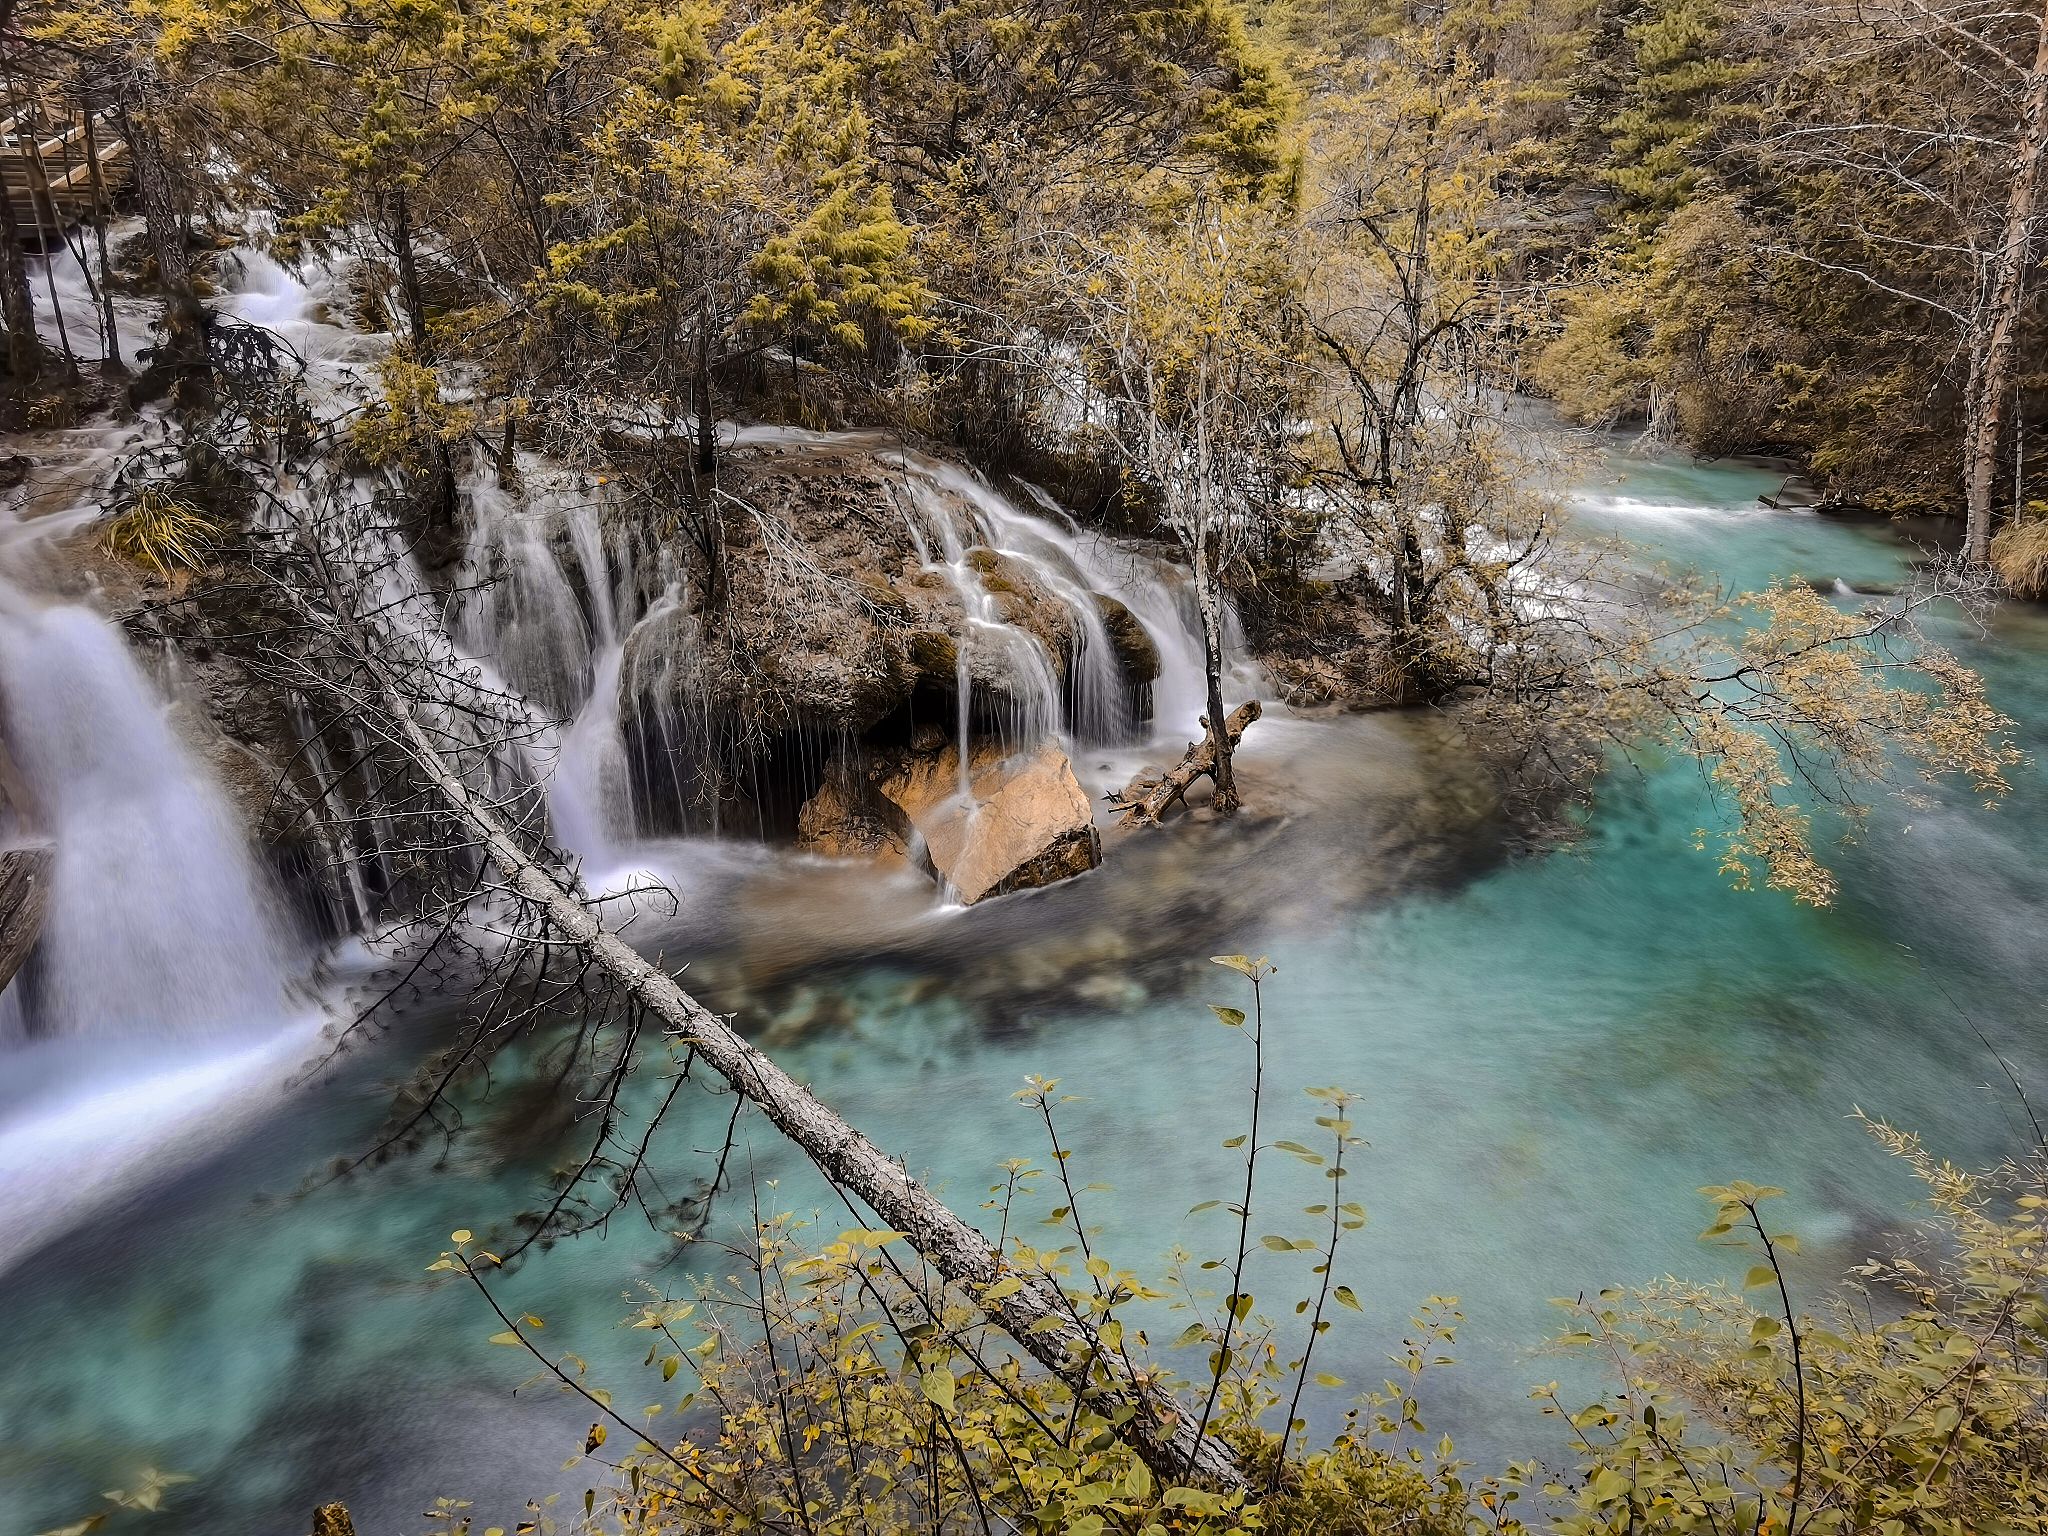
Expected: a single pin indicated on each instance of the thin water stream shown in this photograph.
(1552, 1052)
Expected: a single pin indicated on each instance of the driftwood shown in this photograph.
(1038, 1315)
(24, 897)
(1144, 800)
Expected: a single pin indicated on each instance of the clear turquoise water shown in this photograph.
(1552, 1052)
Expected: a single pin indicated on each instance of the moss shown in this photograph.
(877, 590)
(935, 655)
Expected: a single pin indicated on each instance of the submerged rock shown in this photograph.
(1023, 820)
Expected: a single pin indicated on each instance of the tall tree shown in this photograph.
(1187, 355)
(1924, 125)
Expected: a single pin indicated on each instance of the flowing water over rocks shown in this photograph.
(1553, 1052)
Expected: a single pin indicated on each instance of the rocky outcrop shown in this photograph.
(830, 618)
(1022, 821)
(849, 818)
(1134, 649)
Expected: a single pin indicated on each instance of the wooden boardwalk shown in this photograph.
(48, 152)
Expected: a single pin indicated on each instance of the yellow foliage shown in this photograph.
(162, 532)
(410, 416)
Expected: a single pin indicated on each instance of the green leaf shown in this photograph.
(1325, 1379)
(1346, 1298)
(1206, 1205)
(1277, 1244)
(1244, 965)
(508, 1337)
(938, 1387)
(1009, 1285)
(1233, 1017)
(1759, 1274)
(669, 1366)
(1233, 1143)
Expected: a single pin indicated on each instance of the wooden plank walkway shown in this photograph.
(47, 154)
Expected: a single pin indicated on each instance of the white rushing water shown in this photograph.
(154, 1012)
(157, 1009)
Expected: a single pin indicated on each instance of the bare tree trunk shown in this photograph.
(710, 522)
(508, 452)
(24, 347)
(24, 898)
(1220, 743)
(184, 318)
(445, 489)
(17, 309)
(102, 210)
(408, 270)
(39, 181)
(1143, 801)
(1990, 391)
(1038, 1316)
(25, 354)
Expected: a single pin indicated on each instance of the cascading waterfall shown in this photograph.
(560, 593)
(155, 1008)
(159, 1000)
(157, 920)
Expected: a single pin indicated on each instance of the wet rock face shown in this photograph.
(855, 596)
(1023, 822)
(840, 605)
(1135, 651)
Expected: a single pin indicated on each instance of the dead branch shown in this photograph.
(1143, 801)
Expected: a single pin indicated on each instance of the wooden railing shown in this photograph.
(58, 165)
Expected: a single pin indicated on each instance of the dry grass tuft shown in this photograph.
(2020, 553)
(162, 532)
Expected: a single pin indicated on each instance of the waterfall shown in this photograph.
(157, 922)
(154, 1012)
(565, 612)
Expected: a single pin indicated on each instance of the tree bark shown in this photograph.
(102, 209)
(1143, 801)
(1039, 1317)
(184, 350)
(408, 270)
(24, 898)
(1991, 386)
(24, 348)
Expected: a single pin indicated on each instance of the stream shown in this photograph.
(1552, 1052)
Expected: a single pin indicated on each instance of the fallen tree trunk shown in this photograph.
(1143, 801)
(1038, 1316)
